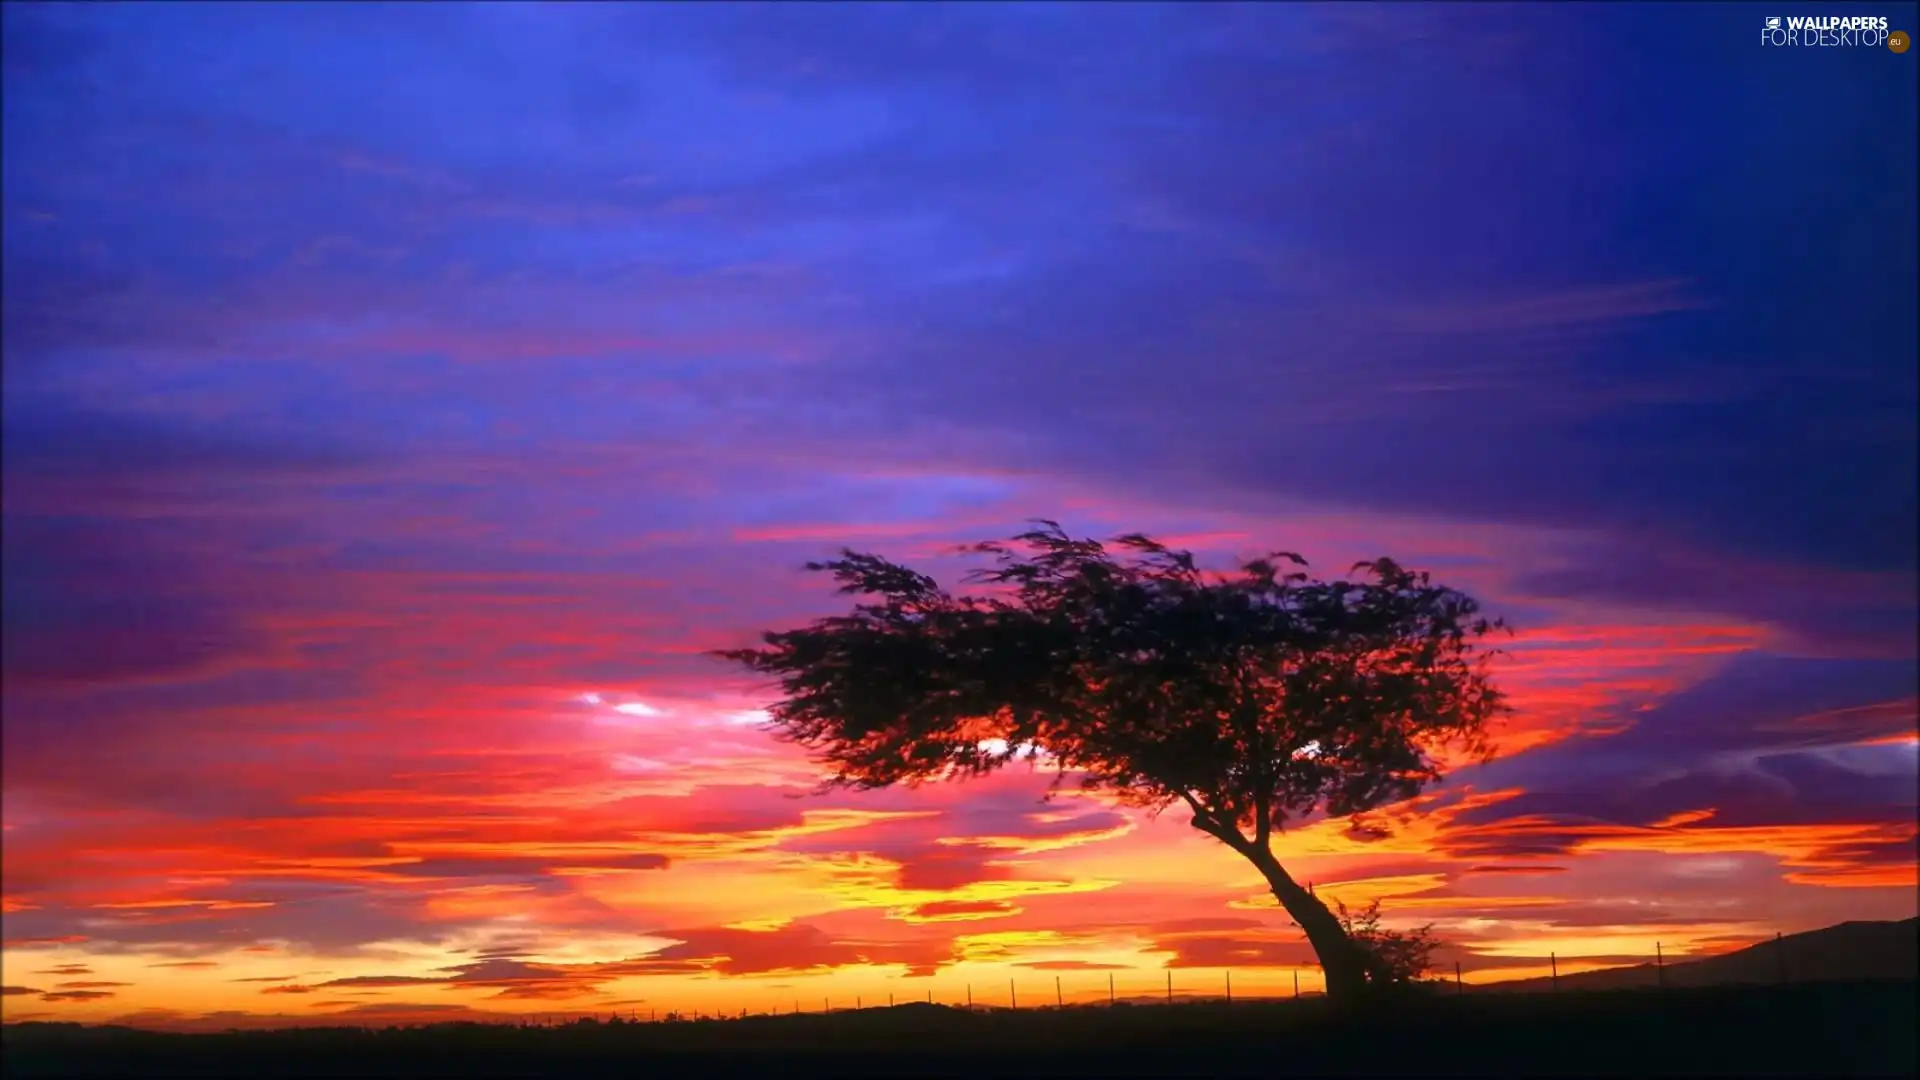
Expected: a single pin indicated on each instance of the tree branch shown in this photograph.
(1208, 821)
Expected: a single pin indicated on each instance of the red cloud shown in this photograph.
(1235, 951)
(1205, 924)
(792, 948)
(1069, 965)
(945, 869)
(960, 911)
(796, 949)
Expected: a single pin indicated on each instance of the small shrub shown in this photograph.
(1396, 958)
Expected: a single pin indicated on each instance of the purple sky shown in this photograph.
(379, 376)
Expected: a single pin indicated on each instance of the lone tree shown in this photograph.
(1255, 698)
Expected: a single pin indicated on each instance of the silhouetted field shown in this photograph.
(1862, 1028)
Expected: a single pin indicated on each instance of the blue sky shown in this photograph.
(400, 369)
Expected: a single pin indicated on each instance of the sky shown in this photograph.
(402, 400)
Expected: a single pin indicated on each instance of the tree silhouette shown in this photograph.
(1254, 698)
(1393, 957)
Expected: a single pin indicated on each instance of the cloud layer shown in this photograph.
(398, 406)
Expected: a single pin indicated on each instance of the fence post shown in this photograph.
(1659, 966)
(1553, 965)
(1459, 987)
(1169, 986)
(826, 1006)
(889, 999)
(1013, 998)
(969, 996)
(1229, 987)
(1110, 998)
(1058, 1001)
(1296, 983)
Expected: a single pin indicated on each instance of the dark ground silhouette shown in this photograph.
(1846, 951)
(1852, 1028)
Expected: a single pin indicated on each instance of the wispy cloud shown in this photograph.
(363, 461)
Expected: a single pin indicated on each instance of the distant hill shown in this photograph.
(1846, 952)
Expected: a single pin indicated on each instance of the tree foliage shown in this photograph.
(1393, 957)
(1254, 697)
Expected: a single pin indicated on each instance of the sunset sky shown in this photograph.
(401, 400)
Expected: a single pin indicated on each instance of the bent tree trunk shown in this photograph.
(1340, 958)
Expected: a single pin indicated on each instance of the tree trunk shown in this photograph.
(1340, 958)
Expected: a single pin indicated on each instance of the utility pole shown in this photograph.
(1109, 988)
(1229, 987)
(1013, 999)
(1553, 965)
(1296, 983)
(1659, 966)
(1058, 1001)
(1169, 986)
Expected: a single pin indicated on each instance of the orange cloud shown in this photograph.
(958, 911)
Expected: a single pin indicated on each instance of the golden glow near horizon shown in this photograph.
(728, 889)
